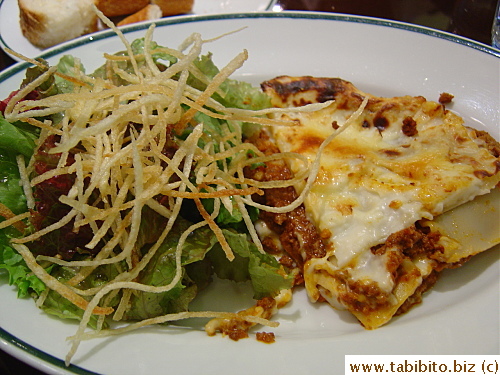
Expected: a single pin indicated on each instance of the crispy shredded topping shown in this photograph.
(120, 132)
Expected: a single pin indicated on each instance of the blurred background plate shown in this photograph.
(12, 37)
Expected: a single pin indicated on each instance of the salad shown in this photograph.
(124, 192)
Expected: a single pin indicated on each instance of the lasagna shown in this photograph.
(376, 227)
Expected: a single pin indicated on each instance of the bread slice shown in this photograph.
(115, 8)
(174, 7)
(49, 22)
(149, 12)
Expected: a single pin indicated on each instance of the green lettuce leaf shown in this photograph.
(11, 192)
(237, 94)
(55, 304)
(202, 255)
(213, 128)
(46, 88)
(12, 196)
(265, 273)
(160, 57)
(158, 54)
(60, 307)
(66, 65)
(17, 138)
(19, 273)
(161, 270)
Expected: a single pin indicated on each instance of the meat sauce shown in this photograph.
(299, 237)
(301, 240)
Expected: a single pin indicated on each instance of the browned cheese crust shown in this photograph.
(412, 256)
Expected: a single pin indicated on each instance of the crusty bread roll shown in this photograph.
(114, 8)
(173, 7)
(46, 23)
(149, 12)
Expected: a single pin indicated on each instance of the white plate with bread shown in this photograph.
(28, 27)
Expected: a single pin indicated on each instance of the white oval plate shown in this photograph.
(458, 316)
(12, 37)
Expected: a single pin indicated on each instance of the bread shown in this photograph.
(47, 23)
(173, 7)
(115, 8)
(149, 12)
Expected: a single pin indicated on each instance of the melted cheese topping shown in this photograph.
(373, 183)
(404, 159)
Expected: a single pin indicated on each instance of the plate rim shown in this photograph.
(36, 357)
(313, 15)
(32, 355)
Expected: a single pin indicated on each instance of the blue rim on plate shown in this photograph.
(14, 344)
(37, 354)
(269, 14)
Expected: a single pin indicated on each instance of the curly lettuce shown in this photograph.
(202, 255)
